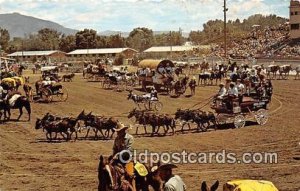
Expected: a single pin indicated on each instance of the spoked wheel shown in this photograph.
(46, 95)
(63, 94)
(261, 116)
(239, 121)
(156, 105)
(220, 119)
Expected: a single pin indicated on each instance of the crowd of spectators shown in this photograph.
(266, 42)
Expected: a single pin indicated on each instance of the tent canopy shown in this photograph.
(155, 64)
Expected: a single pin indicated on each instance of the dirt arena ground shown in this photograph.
(29, 162)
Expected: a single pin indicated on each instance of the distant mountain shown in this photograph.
(126, 34)
(20, 25)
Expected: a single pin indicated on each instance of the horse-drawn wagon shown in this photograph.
(155, 73)
(237, 110)
(94, 72)
(50, 72)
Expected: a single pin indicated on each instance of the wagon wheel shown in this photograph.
(239, 121)
(220, 119)
(63, 94)
(46, 95)
(156, 105)
(261, 116)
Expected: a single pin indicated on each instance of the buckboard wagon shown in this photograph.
(246, 108)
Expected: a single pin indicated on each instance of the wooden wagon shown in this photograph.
(153, 76)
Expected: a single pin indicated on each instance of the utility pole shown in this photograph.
(171, 44)
(0, 63)
(225, 29)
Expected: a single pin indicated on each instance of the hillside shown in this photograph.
(20, 25)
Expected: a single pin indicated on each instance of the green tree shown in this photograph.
(48, 39)
(140, 38)
(86, 39)
(116, 41)
(67, 43)
(4, 38)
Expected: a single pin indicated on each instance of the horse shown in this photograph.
(179, 86)
(184, 115)
(162, 120)
(54, 124)
(20, 70)
(113, 176)
(26, 79)
(68, 77)
(203, 120)
(203, 77)
(138, 99)
(217, 76)
(214, 187)
(58, 126)
(99, 123)
(272, 69)
(141, 118)
(204, 66)
(16, 101)
(28, 91)
(284, 71)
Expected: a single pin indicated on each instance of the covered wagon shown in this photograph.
(155, 72)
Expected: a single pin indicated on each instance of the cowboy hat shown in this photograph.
(166, 166)
(121, 126)
(221, 84)
(194, 78)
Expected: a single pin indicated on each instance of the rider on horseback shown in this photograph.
(122, 152)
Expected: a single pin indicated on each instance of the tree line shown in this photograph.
(139, 38)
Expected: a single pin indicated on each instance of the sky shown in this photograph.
(125, 15)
